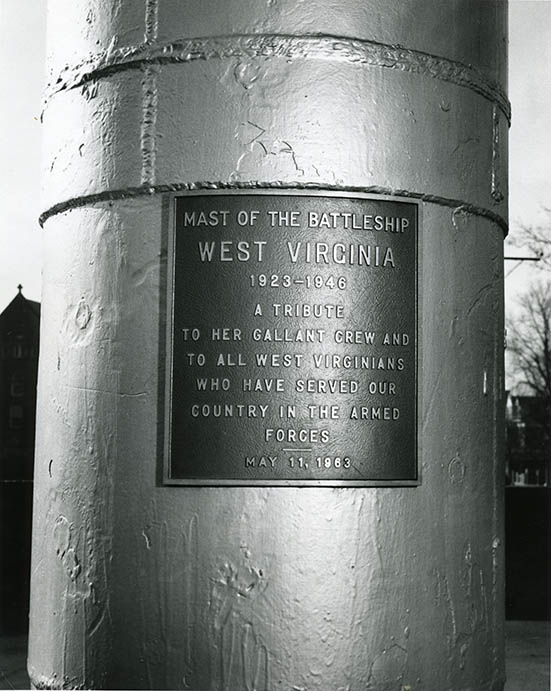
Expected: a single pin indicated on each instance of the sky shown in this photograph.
(21, 83)
(530, 133)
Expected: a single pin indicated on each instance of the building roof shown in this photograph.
(20, 312)
(19, 302)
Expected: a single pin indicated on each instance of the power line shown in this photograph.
(519, 261)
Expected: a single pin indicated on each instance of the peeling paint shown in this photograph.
(90, 90)
(460, 217)
(246, 74)
(456, 470)
(83, 315)
(387, 669)
(243, 657)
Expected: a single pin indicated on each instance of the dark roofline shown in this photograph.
(20, 299)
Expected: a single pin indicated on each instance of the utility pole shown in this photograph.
(270, 444)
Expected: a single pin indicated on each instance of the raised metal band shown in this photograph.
(459, 206)
(318, 47)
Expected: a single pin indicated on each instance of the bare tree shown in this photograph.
(529, 339)
(536, 238)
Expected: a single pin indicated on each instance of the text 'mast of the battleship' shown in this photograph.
(293, 339)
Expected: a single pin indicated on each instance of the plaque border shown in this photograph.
(166, 331)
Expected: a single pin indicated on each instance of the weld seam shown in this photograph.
(151, 21)
(496, 193)
(459, 206)
(354, 51)
(148, 130)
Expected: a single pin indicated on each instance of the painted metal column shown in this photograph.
(141, 584)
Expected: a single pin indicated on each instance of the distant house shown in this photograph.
(19, 339)
(527, 507)
(528, 441)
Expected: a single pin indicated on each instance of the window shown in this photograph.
(16, 416)
(17, 385)
(17, 389)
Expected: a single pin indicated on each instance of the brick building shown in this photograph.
(19, 338)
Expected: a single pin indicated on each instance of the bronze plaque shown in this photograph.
(292, 340)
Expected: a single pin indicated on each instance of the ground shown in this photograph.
(527, 658)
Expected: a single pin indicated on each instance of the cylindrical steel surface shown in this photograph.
(139, 585)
